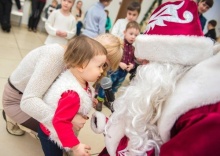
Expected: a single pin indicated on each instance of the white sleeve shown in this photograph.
(115, 28)
(72, 32)
(45, 73)
(50, 23)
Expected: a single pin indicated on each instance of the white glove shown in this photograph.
(98, 122)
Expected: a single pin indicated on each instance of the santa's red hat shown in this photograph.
(174, 35)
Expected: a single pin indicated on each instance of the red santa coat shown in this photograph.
(190, 121)
(195, 133)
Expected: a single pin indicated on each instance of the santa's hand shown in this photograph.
(142, 61)
(81, 150)
(98, 122)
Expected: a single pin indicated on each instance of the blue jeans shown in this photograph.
(79, 26)
(117, 78)
(49, 147)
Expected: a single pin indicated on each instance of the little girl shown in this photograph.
(85, 60)
(61, 24)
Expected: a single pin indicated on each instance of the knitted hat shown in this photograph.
(174, 35)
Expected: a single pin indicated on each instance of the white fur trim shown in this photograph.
(115, 133)
(65, 82)
(216, 48)
(100, 120)
(178, 49)
(199, 87)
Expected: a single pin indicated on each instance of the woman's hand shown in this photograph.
(79, 121)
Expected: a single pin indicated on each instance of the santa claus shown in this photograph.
(172, 107)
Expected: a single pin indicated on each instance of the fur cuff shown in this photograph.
(98, 122)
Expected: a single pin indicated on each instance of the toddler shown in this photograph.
(70, 94)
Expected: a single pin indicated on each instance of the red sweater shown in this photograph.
(67, 108)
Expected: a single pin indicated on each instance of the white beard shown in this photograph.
(139, 107)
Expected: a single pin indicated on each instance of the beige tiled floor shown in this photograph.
(13, 47)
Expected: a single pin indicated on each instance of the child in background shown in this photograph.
(211, 29)
(127, 63)
(61, 24)
(79, 15)
(85, 60)
(203, 7)
(95, 19)
(50, 8)
(133, 11)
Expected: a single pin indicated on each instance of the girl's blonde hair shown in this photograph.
(114, 47)
(81, 49)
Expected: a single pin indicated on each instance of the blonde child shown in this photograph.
(61, 24)
(85, 60)
(127, 63)
(133, 11)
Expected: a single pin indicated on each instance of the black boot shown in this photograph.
(99, 106)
